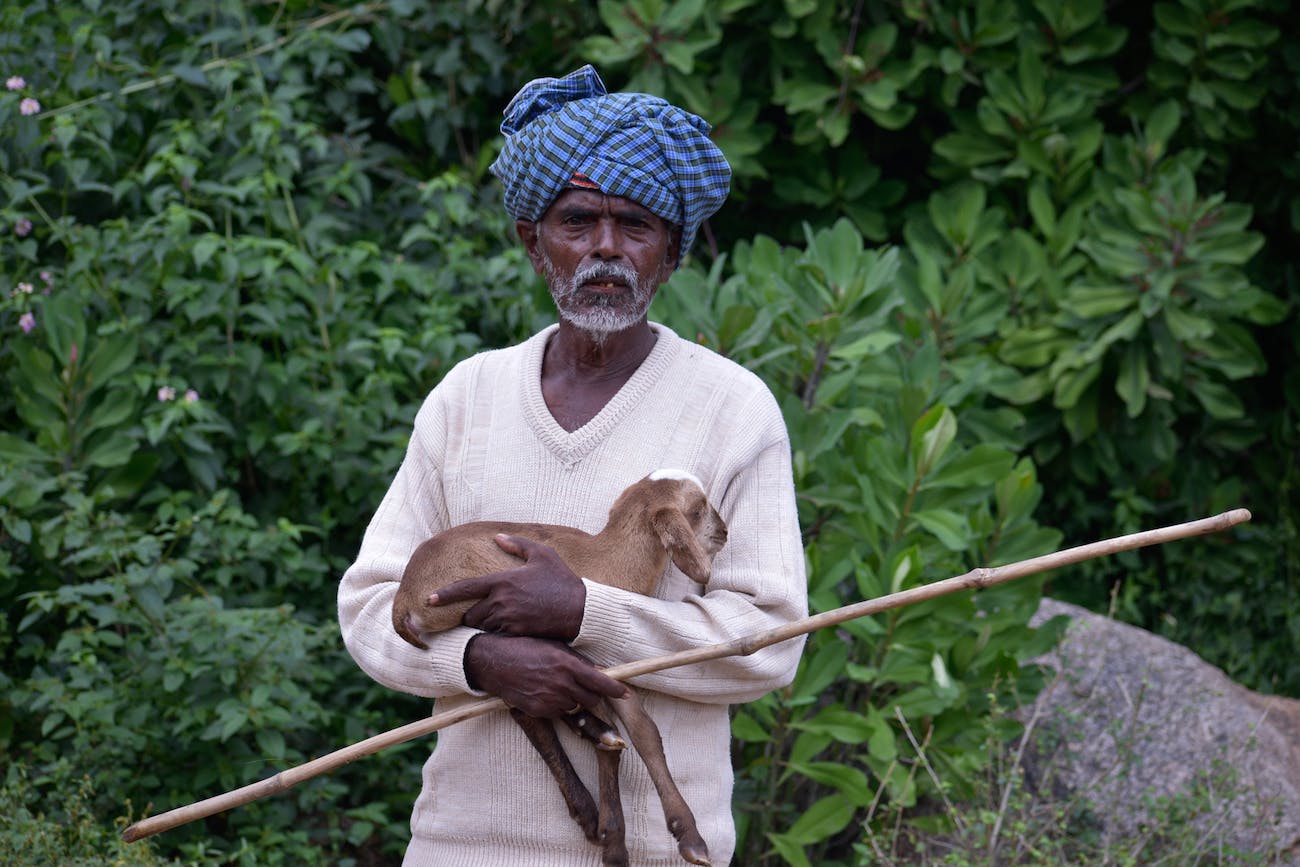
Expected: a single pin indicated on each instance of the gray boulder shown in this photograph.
(1148, 739)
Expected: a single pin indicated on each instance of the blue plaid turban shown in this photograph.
(632, 145)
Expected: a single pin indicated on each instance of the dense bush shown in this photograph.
(243, 287)
(1106, 177)
(1021, 265)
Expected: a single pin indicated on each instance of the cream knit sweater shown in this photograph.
(484, 446)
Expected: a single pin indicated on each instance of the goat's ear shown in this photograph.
(677, 537)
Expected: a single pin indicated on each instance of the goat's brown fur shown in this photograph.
(663, 515)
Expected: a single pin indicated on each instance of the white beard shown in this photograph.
(597, 314)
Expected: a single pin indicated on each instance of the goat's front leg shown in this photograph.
(541, 733)
(594, 729)
(645, 738)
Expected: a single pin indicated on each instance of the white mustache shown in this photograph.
(605, 271)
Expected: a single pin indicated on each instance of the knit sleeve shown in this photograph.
(411, 511)
(758, 582)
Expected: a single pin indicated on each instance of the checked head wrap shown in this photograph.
(569, 131)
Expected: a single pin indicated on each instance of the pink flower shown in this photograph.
(191, 396)
(15, 82)
(47, 277)
(166, 393)
(27, 322)
(23, 227)
(29, 106)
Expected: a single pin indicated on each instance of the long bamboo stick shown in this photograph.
(976, 579)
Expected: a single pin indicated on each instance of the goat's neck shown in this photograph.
(629, 555)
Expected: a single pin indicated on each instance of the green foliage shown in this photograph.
(894, 492)
(1209, 54)
(1097, 186)
(231, 291)
(65, 831)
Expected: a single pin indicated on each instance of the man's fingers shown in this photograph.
(602, 684)
(515, 546)
(459, 591)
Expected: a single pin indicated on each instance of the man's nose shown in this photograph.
(604, 240)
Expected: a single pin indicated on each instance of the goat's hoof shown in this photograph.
(610, 742)
(690, 845)
(695, 853)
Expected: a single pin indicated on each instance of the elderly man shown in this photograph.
(608, 191)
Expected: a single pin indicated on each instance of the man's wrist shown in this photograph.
(468, 665)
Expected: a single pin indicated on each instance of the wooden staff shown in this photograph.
(976, 579)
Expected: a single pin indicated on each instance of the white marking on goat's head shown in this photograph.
(689, 528)
(676, 475)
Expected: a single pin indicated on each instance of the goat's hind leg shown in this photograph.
(613, 833)
(644, 734)
(541, 733)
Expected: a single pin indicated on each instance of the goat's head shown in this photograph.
(688, 527)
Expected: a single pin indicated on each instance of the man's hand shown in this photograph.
(541, 598)
(540, 677)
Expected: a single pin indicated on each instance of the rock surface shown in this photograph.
(1154, 737)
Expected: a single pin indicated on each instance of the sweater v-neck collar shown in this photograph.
(572, 446)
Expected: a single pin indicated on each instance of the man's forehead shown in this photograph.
(594, 200)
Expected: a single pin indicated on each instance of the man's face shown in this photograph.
(603, 257)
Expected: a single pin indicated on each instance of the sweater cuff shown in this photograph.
(605, 623)
(447, 661)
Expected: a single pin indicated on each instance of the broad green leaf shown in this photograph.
(821, 667)
(114, 409)
(1072, 383)
(942, 678)
(1096, 301)
(65, 328)
(205, 247)
(1017, 492)
(1175, 19)
(1187, 326)
(845, 779)
(950, 528)
(20, 530)
(1033, 346)
(1219, 400)
(110, 358)
(790, 850)
(745, 728)
(882, 745)
(980, 466)
(931, 435)
(907, 563)
(871, 344)
(1161, 124)
(114, 451)
(19, 451)
(1041, 209)
(841, 724)
(1133, 380)
(825, 817)
(271, 743)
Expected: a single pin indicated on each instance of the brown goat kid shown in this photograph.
(665, 515)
